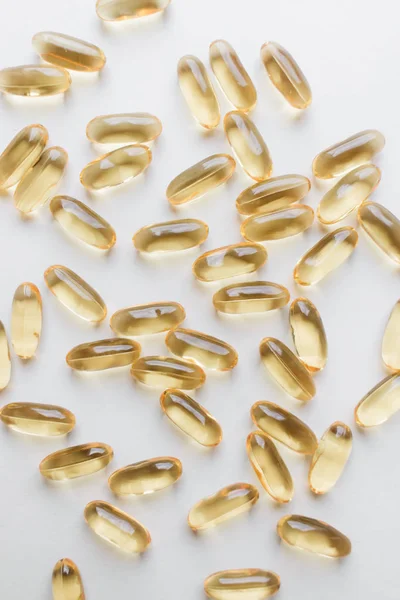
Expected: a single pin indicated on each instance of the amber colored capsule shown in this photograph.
(37, 419)
(308, 333)
(380, 403)
(34, 80)
(390, 342)
(382, 227)
(330, 458)
(171, 236)
(209, 351)
(164, 371)
(314, 536)
(191, 418)
(250, 297)
(75, 294)
(273, 194)
(26, 320)
(237, 584)
(118, 10)
(326, 255)
(144, 319)
(198, 91)
(68, 52)
(229, 261)
(146, 477)
(76, 461)
(279, 224)
(124, 128)
(5, 361)
(67, 581)
(103, 354)
(21, 154)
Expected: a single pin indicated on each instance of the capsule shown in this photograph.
(236, 584)
(380, 403)
(190, 417)
(308, 333)
(209, 351)
(382, 227)
(278, 225)
(287, 370)
(145, 319)
(118, 10)
(37, 419)
(314, 536)
(171, 236)
(326, 255)
(352, 152)
(145, 477)
(198, 91)
(390, 345)
(248, 145)
(232, 76)
(273, 194)
(124, 128)
(67, 581)
(229, 261)
(26, 320)
(34, 80)
(68, 52)
(39, 182)
(250, 297)
(5, 361)
(164, 371)
(201, 178)
(75, 294)
(269, 466)
(21, 154)
(103, 354)
(283, 426)
(115, 167)
(76, 461)
(330, 458)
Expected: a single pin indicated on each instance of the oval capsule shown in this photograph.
(308, 333)
(103, 354)
(279, 224)
(37, 419)
(21, 154)
(146, 477)
(273, 194)
(254, 584)
(68, 52)
(171, 236)
(76, 461)
(124, 128)
(250, 297)
(67, 581)
(145, 319)
(314, 536)
(5, 360)
(380, 403)
(229, 261)
(390, 345)
(118, 10)
(207, 350)
(164, 371)
(330, 458)
(382, 227)
(198, 91)
(26, 320)
(34, 80)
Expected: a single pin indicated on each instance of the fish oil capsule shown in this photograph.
(273, 194)
(380, 403)
(5, 361)
(21, 154)
(229, 261)
(198, 91)
(279, 224)
(26, 320)
(326, 255)
(34, 80)
(352, 152)
(76, 461)
(68, 52)
(67, 581)
(330, 458)
(232, 76)
(75, 294)
(191, 418)
(269, 466)
(390, 345)
(308, 333)
(146, 477)
(201, 178)
(103, 354)
(164, 371)
(235, 584)
(82, 222)
(124, 128)
(209, 351)
(37, 419)
(145, 319)
(283, 426)
(118, 10)
(171, 236)
(382, 227)
(287, 370)
(314, 536)
(250, 297)
(248, 145)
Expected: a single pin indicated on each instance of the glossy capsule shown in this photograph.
(171, 236)
(201, 178)
(164, 371)
(279, 224)
(76, 461)
(390, 342)
(314, 536)
(237, 584)
(67, 581)
(5, 361)
(308, 333)
(348, 154)
(330, 458)
(273, 194)
(37, 419)
(145, 319)
(198, 91)
(21, 154)
(229, 261)
(124, 128)
(103, 354)
(34, 80)
(286, 369)
(326, 255)
(382, 227)
(118, 10)
(146, 477)
(380, 403)
(26, 320)
(209, 351)
(68, 52)
(250, 297)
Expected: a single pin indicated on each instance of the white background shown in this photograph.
(348, 52)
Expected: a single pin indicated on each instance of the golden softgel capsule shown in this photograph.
(146, 477)
(68, 52)
(5, 361)
(314, 536)
(26, 320)
(171, 236)
(76, 461)
(34, 80)
(198, 91)
(67, 581)
(250, 297)
(145, 319)
(279, 224)
(118, 10)
(390, 342)
(164, 371)
(380, 403)
(201, 178)
(232, 76)
(224, 504)
(382, 227)
(326, 255)
(248, 145)
(308, 333)
(37, 419)
(103, 354)
(286, 369)
(273, 194)
(229, 261)
(21, 154)
(237, 584)
(124, 128)
(209, 351)
(348, 154)
(330, 458)
(190, 417)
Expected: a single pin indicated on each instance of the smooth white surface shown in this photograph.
(347, 51)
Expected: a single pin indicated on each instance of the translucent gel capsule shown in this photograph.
(286, 369)
(75, 294)
(382, 227)
(326, 255)
(124, 128)
(278, 225)
(164, 371)
(314, 536)
(103, 354)
(198, 91)
(237, 584)
(37, 419)
(348, 154)
(118, 10)
(209, 351)
(38, 183)
(171, 236)
(380, 403)
(191, 418)
(273, 194)
(34, 80)
(116, 167)
(5, 361)
(269, 466)
(308, 333)
(248, 145)
(232, 76)
(67, 581)
(330, 458)
(146, 477)
(201, 178)
(145, 319)
(229, 261)
(21, 154)
(250, 297)
(26, 320)
(76, 461)
(68, 52)
(390, 342)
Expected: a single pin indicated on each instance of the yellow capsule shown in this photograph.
(380, 403)
(5, 361)
(273, 194)
(146, 477)
(124, 128)
(390, 342)
(118, 10)
(326, 255)
(68, 52)
(269, 466)
(34, 80)
(144, 319)
(67, 581)
(37, 419)
(21, 154)
(283, 426)
(330, 458)
(382, 227)
(171, 236)
(287, 370)
(191, 418)
(229, 261)
(26, 320)
(76, 461)
(237, 584)
(103, 354)
(308, 333)
(232, 76)
(209, 351)
(250, 297)
(75, 294)
(198, 91)
(248, 145)
(348, 154)
(314, 536)
(279, 224)
(164, 371)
